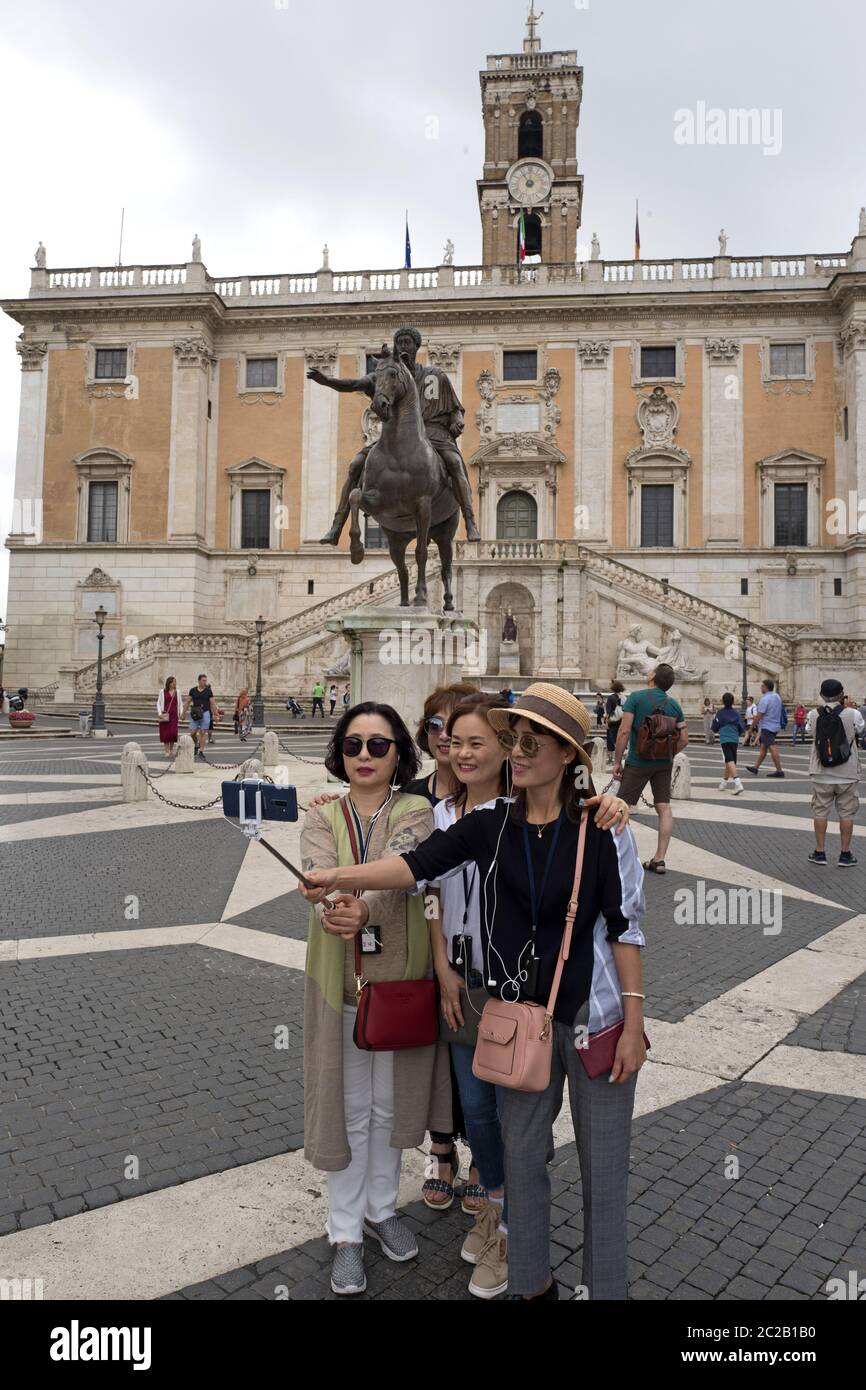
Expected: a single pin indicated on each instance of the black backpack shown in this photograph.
(831, 740)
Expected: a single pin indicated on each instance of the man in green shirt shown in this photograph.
(319, 699)
(637, 771)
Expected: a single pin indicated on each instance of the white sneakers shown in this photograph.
(731, 784)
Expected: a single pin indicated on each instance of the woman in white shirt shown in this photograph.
(478, 764)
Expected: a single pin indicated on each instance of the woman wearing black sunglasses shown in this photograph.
(363, 1108)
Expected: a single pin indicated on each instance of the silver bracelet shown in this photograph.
(631, 994)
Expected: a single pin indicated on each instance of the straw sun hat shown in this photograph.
(553, 709)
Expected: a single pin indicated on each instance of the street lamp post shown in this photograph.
(744, 643)
(2, 652)
(98, 716)
(258, 705)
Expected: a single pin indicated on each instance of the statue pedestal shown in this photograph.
(399, 656)
(509, 659)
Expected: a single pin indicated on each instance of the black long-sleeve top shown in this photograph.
(610, 906)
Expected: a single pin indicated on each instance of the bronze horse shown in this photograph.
(405, 487)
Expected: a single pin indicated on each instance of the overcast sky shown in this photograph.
(272, 126)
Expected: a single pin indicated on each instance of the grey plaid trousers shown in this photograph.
(602, 1116)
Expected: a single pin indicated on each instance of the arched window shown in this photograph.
(530, 137)
(517, 518)
(533, 236)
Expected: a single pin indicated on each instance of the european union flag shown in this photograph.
(408, 262)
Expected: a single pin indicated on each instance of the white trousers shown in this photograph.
(368, 1188)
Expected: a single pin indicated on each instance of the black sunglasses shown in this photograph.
(378, 746)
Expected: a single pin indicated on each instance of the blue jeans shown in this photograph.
(482, 1104)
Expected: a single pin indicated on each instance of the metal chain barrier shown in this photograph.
(312, 762)
(181, 805)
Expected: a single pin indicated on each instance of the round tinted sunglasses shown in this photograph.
(527, 743)
(377, 746)
(436, 725)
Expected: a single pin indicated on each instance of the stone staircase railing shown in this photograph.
(159, 644)
(313, 620)
(718, 621)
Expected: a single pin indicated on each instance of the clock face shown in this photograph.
(529, 183)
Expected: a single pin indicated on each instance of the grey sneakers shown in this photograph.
(395, 1238)
(347, 1271)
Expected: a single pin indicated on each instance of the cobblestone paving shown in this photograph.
(17, 815)
(168, 1055)
(795, 1217)
(785, 856)
(840, 1026)
(79, 883)
(284, 916)
(687, 966)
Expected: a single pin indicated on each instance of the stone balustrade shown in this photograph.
(445, 282)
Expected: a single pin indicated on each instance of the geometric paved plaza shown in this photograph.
(151, 1126)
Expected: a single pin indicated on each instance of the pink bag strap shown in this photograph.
(569, 920)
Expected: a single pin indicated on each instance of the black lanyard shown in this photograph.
(530, 872)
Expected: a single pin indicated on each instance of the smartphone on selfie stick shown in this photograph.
(254, 801)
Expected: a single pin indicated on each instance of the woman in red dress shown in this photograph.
(168, 709)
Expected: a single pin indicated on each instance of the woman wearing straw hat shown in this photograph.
(526, 852)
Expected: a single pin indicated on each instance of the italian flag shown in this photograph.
(521, 250)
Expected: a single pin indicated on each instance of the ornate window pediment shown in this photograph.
(104, 466)
(254, 475)
(786, 468)
(518, 463)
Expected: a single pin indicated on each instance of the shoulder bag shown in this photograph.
(515, 1040)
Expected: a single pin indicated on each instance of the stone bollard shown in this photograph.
(185, 760)
(132, 763)
(251, 770)
(682, 778)
(269, 752)
(600, 769)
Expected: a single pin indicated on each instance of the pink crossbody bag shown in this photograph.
(515, 1041)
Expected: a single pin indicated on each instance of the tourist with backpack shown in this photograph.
(834, 769)
(654, 727)
(771, 718)
(729, 725)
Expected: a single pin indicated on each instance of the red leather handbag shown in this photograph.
(393, 1015)
(600, 1051)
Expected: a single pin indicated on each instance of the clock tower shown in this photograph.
(531, 108)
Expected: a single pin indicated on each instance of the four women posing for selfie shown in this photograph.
(504, 869)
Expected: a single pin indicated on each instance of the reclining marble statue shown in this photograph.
(412, 481)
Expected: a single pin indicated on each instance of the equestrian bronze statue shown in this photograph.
(412, 481)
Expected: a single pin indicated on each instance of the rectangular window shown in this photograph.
(374, 536)
(787, 359)
(791, 513)
(102, 513)
(837, 588)
(261, 373)
(657, 514)
(658, 362)
(256, 519)
(845, 423)
(520, 366)
(110, 364)
(744, 588)
(311, 587)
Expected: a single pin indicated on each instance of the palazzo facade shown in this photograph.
(678, 444)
